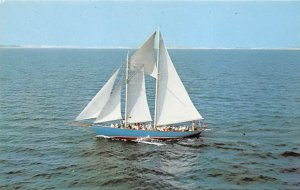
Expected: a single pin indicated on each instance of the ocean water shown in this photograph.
(250, 100)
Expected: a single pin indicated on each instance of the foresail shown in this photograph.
(95, 106)
(138, 110)
(144, 58)
(174, 104)
(112, 109)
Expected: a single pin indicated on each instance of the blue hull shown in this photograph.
(129, 134)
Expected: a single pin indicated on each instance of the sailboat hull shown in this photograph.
(128, 134)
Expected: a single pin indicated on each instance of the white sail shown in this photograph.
(174, 104)
(112, 109)
(138, 110)
(144, 57)
(95, 106)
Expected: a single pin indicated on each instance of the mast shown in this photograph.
(126, 93)
(157, 79)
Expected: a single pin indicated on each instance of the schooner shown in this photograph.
(173, 105)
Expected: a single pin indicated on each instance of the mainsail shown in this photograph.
(112, 109)
(96, 105)
(137, 105)
(144, 58)
(173, 104)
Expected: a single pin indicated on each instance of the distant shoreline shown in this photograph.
(175, 48)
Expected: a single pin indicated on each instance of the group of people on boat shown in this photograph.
(143, 126)
(134, 126)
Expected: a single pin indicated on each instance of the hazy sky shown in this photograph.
(231, 24)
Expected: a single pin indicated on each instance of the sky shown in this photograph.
(184, 24)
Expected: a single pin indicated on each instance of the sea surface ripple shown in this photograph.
(249, 98)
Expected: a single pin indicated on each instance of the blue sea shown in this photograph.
(250, 100)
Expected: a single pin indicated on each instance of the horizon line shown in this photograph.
(128, 47)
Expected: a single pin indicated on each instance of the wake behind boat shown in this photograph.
(175, 116)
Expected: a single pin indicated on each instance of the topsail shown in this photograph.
(143, 58)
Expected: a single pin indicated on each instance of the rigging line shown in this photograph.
(122, 74)
(120, 80)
